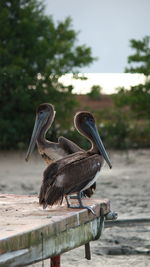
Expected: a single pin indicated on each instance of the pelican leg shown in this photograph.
(68, 201)
(76, 196)
(80, 206)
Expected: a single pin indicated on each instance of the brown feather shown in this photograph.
(51, 151)
(69, 175)
(89, 192)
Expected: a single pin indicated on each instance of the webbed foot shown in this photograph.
(82, 207)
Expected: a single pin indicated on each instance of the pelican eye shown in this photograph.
(90, 120)
(41, 112)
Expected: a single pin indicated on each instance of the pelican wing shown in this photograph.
(69, 146)
(50, 174)
(67, 176)
(52, 152)
(49, 177)
(81, 173)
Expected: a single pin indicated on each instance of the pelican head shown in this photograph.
(45, 114)
(85, 124)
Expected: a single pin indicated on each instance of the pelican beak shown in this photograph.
(40, 121)
(94, 132)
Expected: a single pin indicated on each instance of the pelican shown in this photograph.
(51, 151)
(77, 172)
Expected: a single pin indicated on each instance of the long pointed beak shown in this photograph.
(39, 123)
(99, 143)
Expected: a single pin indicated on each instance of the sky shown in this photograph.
(106, 26)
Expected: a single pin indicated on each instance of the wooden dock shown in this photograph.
(29, 234)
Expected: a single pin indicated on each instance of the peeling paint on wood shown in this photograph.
(30, 234)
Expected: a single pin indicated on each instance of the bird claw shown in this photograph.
(90, 209)
(82, 207)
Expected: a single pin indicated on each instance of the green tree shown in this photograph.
(34, 53)
(138, 97)
(95, 92)
(140, 61)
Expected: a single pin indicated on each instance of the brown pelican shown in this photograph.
(78, 171)
(51, 151)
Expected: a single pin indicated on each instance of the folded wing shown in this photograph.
(68, 175)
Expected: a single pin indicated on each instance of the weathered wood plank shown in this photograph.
(30, 234)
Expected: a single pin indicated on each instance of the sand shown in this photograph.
(127, 186)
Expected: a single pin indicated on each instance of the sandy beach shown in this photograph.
(127, 186)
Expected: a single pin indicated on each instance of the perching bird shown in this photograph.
(51, 151)
(77, 172)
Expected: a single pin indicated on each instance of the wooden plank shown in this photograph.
(30, 234)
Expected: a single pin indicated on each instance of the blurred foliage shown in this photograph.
(138, 97)
(123, 131)
(126, 124)
(130, 128)
(140, 61)
(95, 92)
(118, 128)
(34, 53)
